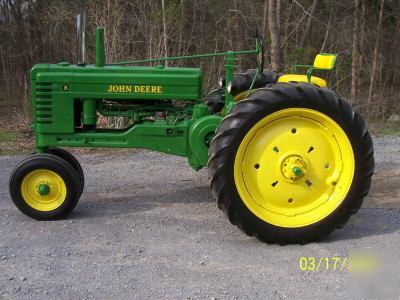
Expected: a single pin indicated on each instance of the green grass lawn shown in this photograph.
(14, 142)
(6, 136)
(386, 128)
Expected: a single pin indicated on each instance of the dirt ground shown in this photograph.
(147, 227)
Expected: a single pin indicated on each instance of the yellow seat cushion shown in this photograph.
(325, 61)
(302, 78)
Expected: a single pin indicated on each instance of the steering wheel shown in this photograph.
(261, 47)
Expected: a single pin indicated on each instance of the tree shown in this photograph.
(274, 30)
(375, 60)
(165, 33)
(44, 31)
(357, 46)
(307, 29)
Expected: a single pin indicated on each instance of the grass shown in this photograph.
(384, 128)
(15, 142)
(7, 136)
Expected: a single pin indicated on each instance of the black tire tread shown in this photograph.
(52, 162)
(69, 158)
(215, 100)
(272, 96)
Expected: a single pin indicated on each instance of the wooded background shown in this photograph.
(364, 33)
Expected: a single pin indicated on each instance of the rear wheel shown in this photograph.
(291, 163)
(44, 187)
(241, 83)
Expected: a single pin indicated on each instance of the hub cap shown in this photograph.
(43, 190)
(294, 167)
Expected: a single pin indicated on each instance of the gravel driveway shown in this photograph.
(147, 227)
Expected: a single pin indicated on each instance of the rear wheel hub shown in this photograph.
(293, 167)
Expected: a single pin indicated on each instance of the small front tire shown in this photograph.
(44, 187)
(69, 158)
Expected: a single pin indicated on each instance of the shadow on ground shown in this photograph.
(369, 221)
(113, 204)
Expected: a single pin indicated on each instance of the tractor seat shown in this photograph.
(322, 62)
(294, 78)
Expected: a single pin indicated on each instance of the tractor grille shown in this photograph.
(44, 103)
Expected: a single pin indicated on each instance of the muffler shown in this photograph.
(81, 34)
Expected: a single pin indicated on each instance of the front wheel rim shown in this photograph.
(43, 190)
(294, 167)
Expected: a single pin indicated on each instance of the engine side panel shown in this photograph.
(55, 87)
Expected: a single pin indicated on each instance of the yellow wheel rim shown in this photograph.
(294, 167)
(43, 190)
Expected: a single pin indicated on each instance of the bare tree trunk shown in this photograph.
(278, 14)
(356, 52)
(396, 66)
(265, 28)
(328, 28)
(375, 60)
(165, 34)
(274, 31)
(179, 52)
(307, 30)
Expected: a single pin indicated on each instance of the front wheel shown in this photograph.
(291, 163)
(44, 187)
(69, 158)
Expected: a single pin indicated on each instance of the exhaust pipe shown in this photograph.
(80, 30)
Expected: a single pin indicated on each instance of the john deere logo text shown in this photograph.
(141, 89)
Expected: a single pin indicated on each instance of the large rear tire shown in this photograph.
(241, 83)
(291, 163)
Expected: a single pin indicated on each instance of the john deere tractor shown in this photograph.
(289, 160)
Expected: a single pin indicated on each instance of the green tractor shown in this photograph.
(289, 161)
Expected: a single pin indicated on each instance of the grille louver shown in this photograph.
(44, 103)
